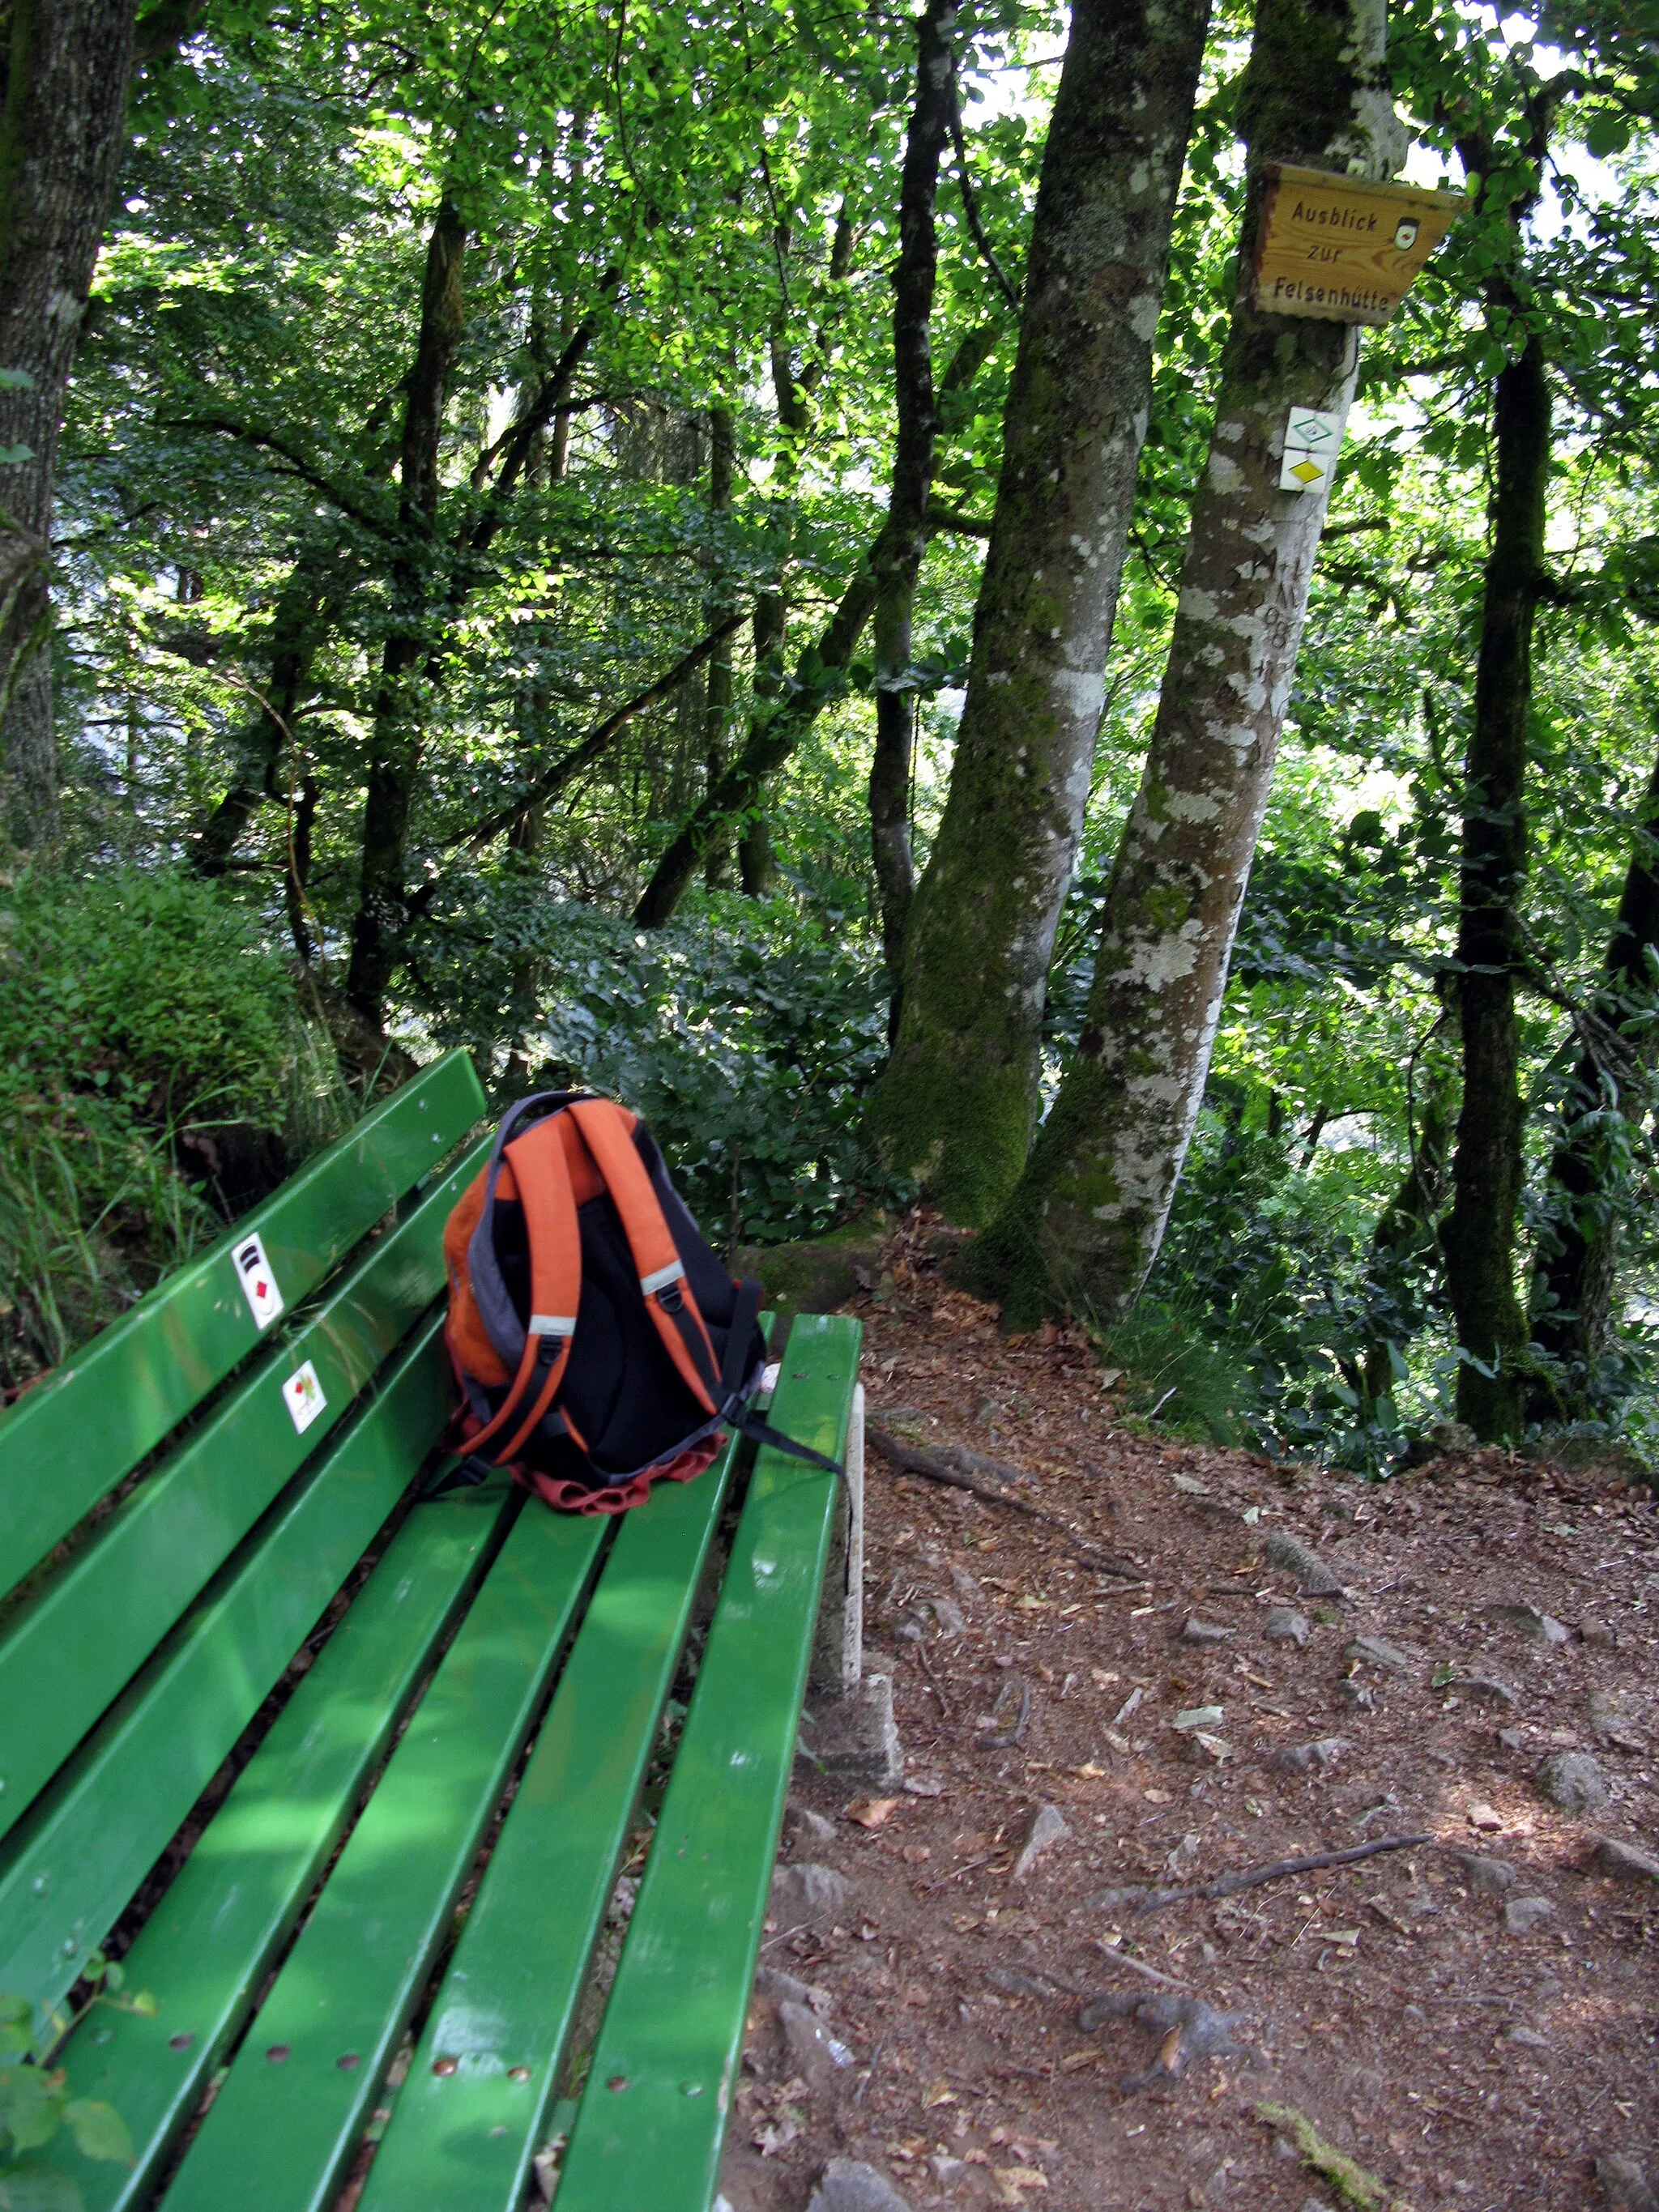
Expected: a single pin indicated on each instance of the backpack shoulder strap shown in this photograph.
(608, 1132)
(541, 1176)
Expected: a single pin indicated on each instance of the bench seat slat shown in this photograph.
(281, 2129)
(205, 1949)
(672, 2031)
(72, 1650)
(75, 1436)
(67, 1872)
(462, 2141)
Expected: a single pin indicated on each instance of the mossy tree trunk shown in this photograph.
(395, 743)
(898, 555)
(1577, 1262)
(64, 65)
(1085, 1222)
(957, 1103)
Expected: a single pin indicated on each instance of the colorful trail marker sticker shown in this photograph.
(1312, 442)
(302, 1394)
(1341, 250)
(258, 1280)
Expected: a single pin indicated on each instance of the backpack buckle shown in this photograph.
(654, 1285)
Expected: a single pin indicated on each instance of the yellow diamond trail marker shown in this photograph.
(1341, 250)
(1312, 442)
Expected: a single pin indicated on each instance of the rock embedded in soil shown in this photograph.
(1359, 1695)
(1626, 2182)
(808, 1896)
(1522, 1914)
(1542, 1627)
(1317, 1576)
(1284, 1625)
(816, 2056)
(811, 1827)
(1374, 1652)
(772, 1982)
(1048, 1828)
(846, 2184)
(1204, 1632)
(1487, 1690)
(1489, 1875)
(1623, 1862)
(1303, 1758)
(1574, 1781)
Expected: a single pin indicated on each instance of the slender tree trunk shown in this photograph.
(395, 746)
(957, 1103)
(1086, 1219)
(63, 70)
(898, 558)
(779, 724)
(297, 625)
(1577, 1263)
(719, 691)
(1487, 1169)
(1407, 1231)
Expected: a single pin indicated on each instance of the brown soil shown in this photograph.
(1457, 2062)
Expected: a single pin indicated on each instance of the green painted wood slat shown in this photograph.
(463, 2138)
(74, 1436)
(204, 1951)
(72, 1651)
(68, 1870)
(290, 2114)
(672, 2031)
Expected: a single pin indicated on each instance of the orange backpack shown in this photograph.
(599, 1345)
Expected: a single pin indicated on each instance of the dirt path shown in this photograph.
(1472, 2032)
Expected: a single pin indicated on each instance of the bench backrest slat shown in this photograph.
(68, 1871)
(75, 1436)
(68, 1654)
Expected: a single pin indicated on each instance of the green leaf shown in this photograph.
(1607, 134)
(37, 2189)
(99, 2129)
(15, 380)
(31, 2104)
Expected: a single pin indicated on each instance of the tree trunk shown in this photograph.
(779, 724)
(396, 739)
(1087, 1218)
(65, 65)
(957, 1103)
(898, 557)
(720, 688)
(1486, 1168)
(297, 631)
(1577, 1262)
(1407, 1233)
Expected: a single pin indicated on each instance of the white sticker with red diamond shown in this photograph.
(258, 1280)
(304, 1396)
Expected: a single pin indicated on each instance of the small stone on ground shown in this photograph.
(1574, 1781)
(849, 2185)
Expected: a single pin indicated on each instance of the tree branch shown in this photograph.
(571, 763)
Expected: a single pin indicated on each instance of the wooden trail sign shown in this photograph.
(1342, 250)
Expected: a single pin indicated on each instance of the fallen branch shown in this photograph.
(1229, 1885)
(1137, 1966)
(909, 1460)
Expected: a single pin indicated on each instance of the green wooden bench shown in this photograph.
(262, 1705)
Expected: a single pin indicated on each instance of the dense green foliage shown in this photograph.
(669, 215)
